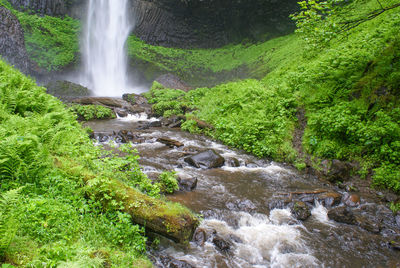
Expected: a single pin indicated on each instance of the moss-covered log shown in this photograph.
(169, 219)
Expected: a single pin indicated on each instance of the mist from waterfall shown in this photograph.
(103, 47)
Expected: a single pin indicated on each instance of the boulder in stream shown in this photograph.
(187, 183)
(300, 210)
(208, 159)
(170, 142)
(343, 215)
(223, 245)
(66, 90)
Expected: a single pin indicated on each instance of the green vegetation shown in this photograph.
(348, 84)
(168, 182)
(51, 42)
(90, 112)
(63, 201)
(210, 66)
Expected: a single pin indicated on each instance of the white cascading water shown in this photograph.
(105, 61)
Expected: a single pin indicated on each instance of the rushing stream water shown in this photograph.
(235, 201)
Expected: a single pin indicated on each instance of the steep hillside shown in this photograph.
(346, 83)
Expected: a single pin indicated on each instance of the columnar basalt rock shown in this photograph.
(12, 43)
(210, 23)
(50, 7)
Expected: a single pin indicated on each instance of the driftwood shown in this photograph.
(168, 219)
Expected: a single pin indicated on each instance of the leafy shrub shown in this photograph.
(90, 112)
(168, 182)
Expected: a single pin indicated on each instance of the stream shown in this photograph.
(245, 223)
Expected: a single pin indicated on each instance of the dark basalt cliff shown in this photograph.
(50, 7)
(189, 23)
(210, 23)
(12, 43)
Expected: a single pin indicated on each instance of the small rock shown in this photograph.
(389, 197)
(394, 245)
(208, 159)
(370, 225)
(352, 200)
(187, 183)
(171, 262)
(232, 162)
(343, 215)
(398, 220)
(300, 210)
(329, 199)
(221, 244)
(155, 123)
(121, 112)
(246, 205)
(170, 142)
(200, 237)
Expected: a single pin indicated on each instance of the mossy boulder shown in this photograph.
(65, 89)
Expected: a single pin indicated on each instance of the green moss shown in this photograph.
(209, 66)
(51, 42)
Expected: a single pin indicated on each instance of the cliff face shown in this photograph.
(210, 23)
(50, 7)
(12, 43)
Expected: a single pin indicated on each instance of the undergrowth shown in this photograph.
(348, 85)
(90, 112)
(57, 188)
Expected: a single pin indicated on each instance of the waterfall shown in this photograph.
(103, 47)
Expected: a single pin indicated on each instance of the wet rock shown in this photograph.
(371, 225)
(171, 262)
(398, 220)
(241, 205)
(170, 142)
(232, 162)
(394, 245)
(65, 89)
(222, 244)
(173, 121)
(251, 165)
(351, 200)
(335, 170)
(300, 210)
(329, 199)
(200, 237)
(12, 42)
(187, 183)
(343, 215)
(172, 81)
(155, 123)
(278, 204)
(390, 197)
(124, 136)
(134, 99)
(208, 159)
(121, 112)
(246, 205)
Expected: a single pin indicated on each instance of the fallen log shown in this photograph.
(169, 219)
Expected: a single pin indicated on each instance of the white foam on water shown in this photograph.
(320, 213)
(263, 242)
(136, 117)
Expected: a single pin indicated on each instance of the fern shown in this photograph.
(8, 222)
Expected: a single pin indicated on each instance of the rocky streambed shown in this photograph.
(257, 213)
